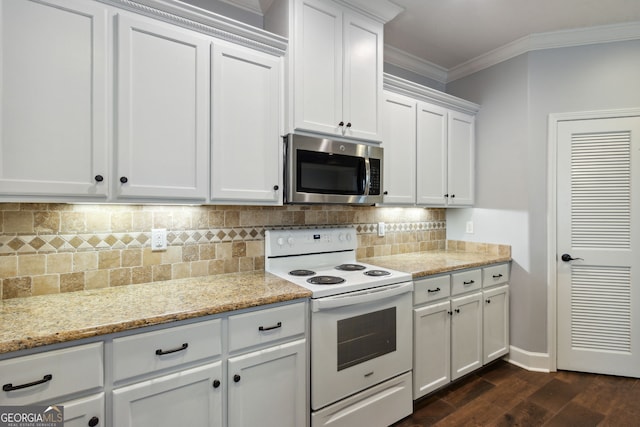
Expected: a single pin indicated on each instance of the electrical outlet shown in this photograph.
(159, 239)
(381, 229)
(469, 229)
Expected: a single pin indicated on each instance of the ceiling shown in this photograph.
(449, 33)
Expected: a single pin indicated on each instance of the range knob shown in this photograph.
(280, 241)
(290, 240)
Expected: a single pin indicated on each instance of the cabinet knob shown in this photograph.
(93, 421)
(457, 310)
(124, 179)
(216, 383)
(488, 301)
(446, 195)
(385, 193)
(99, 178)
(349, 124)
(276, 188)
(236, 378)
(453, 195)
(341, 124)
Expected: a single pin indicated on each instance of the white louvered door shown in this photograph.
(598, 199)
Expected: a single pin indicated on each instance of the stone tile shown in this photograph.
(109, 260)
(72, 282)
(85, 261)
(30, 265)
(141, 274)
(59, 263)
(161, 272)
(44, 285)
(17, 287)
(8, 266)
(132, 258)
(96, 279)
(120, 277)
(17, 222)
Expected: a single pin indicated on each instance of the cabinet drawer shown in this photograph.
(466, 281)
(263, 326)
(495, 275)
(431, 289)
(51, 374)
(153, 351)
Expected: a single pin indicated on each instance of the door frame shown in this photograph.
(552, 204)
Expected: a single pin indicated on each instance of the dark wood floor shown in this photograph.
(505, 395)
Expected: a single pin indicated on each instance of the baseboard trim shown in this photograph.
(531, 361)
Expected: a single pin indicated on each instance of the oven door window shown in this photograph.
(326, 173)
(366, 337)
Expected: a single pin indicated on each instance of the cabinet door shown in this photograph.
(496, 323)
(466, 334)
(362, 96)
(399, 138)
(85, 411)
(162, 111)
(318, 67)
(268, 387)
(432, 348)
(186, 398)
(431, 155)
(53, 99)
(461, 159)
(246, 150)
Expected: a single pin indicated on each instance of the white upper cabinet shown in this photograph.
(441, 160)
(246, 157)
(461, 159)
(53, 100)
(399, 136)
(162, 111)
(431, 154)
(335, 68)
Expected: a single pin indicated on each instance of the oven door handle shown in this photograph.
(359, 297)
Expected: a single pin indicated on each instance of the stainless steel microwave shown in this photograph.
(320, 170)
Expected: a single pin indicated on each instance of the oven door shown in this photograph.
(358, 340)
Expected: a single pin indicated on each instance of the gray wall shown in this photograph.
(413, 77)
(516, 99)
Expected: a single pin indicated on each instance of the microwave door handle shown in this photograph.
(360, 297)
(367, 176)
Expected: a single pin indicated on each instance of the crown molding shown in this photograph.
(203, 21)
(380, 10)
(412, 63)
(424, 93)
(539, 41)
(550, 40)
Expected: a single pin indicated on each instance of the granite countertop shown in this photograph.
(48, 319)
(421, 264)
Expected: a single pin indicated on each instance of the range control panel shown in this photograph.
(309, 241)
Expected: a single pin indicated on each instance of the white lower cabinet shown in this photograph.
(241, 369)
(87, 411)
(496, 323)
(267, 387)
(466, 334)
(192, 397)
(461, 322)
(432, 348)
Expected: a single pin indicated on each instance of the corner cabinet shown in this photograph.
(461, 322)
(335, 67)
(53, 100)
(440, 130)
(246, 153)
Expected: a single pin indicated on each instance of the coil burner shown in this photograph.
(325, 280)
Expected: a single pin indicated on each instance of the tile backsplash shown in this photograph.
(52, 248)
